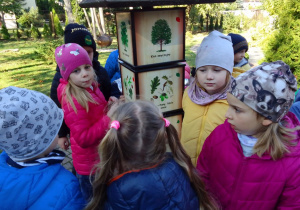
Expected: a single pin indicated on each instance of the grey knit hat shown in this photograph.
(216, 50)
(269, 89)
(29, 122)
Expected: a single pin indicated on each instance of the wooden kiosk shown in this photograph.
(151, 52)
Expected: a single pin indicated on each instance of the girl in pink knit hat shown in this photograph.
(83, 105)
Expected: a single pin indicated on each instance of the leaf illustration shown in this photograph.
(165, 77)
(154, 84)
(130, 93)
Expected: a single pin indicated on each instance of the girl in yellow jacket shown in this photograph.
(204, 101)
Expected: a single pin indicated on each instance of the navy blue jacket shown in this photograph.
(166, 186)
(38, 187)
(295, 108)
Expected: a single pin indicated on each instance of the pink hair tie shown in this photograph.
(115, 124)
(167, 122)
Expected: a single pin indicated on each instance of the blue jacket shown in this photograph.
(166, 186)
(112, 66)
(38, 187)
(295, 108)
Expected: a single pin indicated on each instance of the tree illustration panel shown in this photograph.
(159, 36)
(163, 87)
(128, 84)
(125, 36)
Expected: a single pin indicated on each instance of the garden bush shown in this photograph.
(35, 33)
(4, 32)
(46, 31)
(46, 51)
(31, 18)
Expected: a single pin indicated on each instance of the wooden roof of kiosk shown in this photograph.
(144, 3)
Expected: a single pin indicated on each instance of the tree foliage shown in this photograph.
(284, 42)
(124, 37)
(161, 33)
(30, 18)
(9, 6)
(4, 32)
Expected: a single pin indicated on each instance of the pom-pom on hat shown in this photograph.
(69, 56)
(79, 34)
(239, 42)
(269, 89)
(216, 50)
(29, 122)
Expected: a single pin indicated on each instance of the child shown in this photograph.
(240, 47)
(204, 101)
(31, 176)
(252, 161)
(136, 172)
(295, 108)
(79, 34)
(83, 105)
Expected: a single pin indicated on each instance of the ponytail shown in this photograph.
(205, 200)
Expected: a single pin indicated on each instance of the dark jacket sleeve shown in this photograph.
(64, 130)
(102, 77)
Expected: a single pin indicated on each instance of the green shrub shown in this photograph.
(284, 43)
(46, 31)
(231, 23)
(17, 34)
(58, 28)
(35, 33)
(27, 33)
(31, 18)
(4, 32)
(46, 51)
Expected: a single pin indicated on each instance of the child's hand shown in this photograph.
(63, 143)
(112, 99)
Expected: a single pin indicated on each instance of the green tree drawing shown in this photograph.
(161, 33)
(124, 37)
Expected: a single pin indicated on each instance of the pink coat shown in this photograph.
(240, 182)
(86, 128)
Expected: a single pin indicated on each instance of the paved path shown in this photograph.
(68, 161)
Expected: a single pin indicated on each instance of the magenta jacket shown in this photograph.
(86, 128)
(240, 182)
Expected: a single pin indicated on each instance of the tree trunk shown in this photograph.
(207, 15)
(93, 24)
(68, 9)
(87, 18)
(52, 24)
(102, 19)
(2, 18)
(97, 22)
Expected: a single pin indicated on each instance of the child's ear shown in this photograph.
(266, 122)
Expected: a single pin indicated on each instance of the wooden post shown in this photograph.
(52, 24)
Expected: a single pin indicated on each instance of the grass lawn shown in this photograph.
(24, 69)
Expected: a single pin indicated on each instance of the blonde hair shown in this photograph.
(275, 139)
(227, 80)
(141, 142)
(80, 94)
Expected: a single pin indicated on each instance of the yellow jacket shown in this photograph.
(239, 70)
(199, 121)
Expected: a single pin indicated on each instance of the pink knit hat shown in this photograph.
(69, 56)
